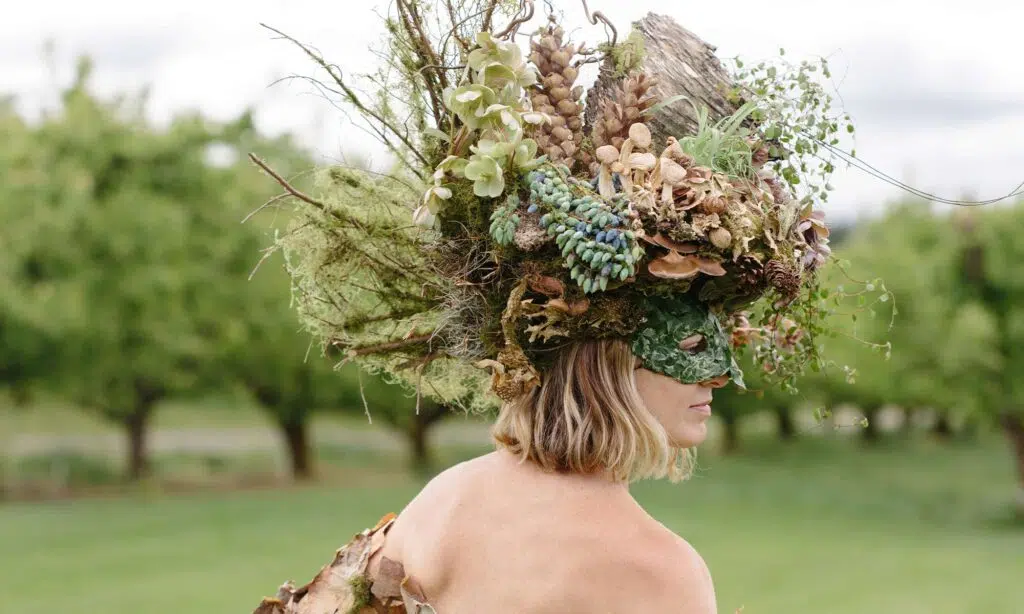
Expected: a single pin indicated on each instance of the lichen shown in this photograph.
(627, 56)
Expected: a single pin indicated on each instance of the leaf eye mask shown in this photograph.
(682, 339)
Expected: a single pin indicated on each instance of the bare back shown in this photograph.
(494, 535)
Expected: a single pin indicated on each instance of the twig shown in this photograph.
(287, 186)
(362, 395)
(488, 15)
(596, 16)
(527, 9)
(352, 97)
(265, 205)
(451, 13)
(385, 347)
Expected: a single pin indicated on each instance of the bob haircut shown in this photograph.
(588, 417)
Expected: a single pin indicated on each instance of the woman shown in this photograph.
(546, 523)
(604, 287)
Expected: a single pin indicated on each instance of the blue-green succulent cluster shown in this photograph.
(593, 234)
(505, 220)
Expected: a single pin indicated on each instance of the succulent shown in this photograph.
(597, 246)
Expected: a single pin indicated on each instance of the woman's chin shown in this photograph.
(691, 435)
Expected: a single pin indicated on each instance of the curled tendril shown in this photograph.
(596, 16)
(526, 10)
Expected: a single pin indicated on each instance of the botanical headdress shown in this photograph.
(539, 220)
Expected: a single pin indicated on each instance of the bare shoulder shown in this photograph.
(675, 577)
(429, 507)
(690, 589)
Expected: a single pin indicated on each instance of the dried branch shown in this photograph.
(596, 16)
(526, 8)
(489, 15)
(288, 187)
(355, 100)
(463, 43)
(380, 348)
(412, 22)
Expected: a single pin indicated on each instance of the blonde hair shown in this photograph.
(587, 417)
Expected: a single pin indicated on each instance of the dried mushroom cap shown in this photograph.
(640, 134)
(663, 241)
(607, 154)
(642, 161)
(671, 172)
(674, 266)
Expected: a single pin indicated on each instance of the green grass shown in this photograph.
(909, 527)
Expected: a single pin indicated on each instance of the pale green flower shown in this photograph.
(525, 156)
(503, 115)
(452, 164)
(490, 49)
(492, 149)
(432, 204)
(498, 63)
(470, 102)
(486, 174)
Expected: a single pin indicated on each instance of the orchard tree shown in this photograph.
(28, 339)
(921, 347)
(990, 251)
(135, 233)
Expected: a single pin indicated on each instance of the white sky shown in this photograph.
(936, 88)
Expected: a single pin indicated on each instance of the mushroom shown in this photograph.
(640, 134)
(663, 241)
(673, 266)
(676, 266)
(642, 161)
(672, 175)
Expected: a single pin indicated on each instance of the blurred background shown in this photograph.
(171, 439)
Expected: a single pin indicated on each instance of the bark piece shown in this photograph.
(682, 64)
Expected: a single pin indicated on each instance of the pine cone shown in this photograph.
(783, 277)
(555, 95)
(627, 106)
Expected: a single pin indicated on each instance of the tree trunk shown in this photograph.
(147, 395)
(137, 426)
(787, 428)
(682, 63)
(296, 437)
(943, 428)
(907, 428)
(731, 439)
(419, 427)
(870, 433)
(1013, 426)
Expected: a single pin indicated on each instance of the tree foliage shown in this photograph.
(129, 270)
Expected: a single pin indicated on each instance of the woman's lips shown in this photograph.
(703, 408)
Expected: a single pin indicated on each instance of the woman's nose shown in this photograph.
(716, 382)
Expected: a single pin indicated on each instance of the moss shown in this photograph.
(361, 594)
(628, 56)
(464, 210)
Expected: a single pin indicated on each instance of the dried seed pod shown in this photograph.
(555, 95)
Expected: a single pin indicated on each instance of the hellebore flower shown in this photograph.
(486, 174)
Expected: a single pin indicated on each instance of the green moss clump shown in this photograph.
(627, 56)
(464, 210)
(360, 585)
